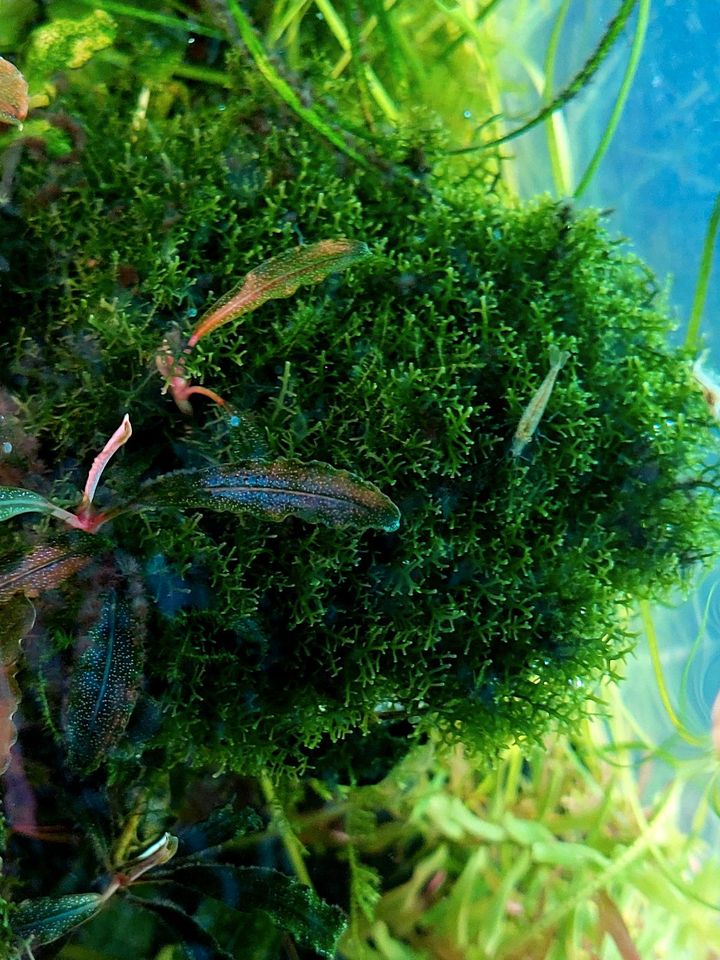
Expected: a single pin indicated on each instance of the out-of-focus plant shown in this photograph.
(558, 852)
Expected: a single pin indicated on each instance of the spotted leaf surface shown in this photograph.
(17, 500)
(16, 620)
(40, 921)
(44, 568)
(280, 277)
(274, 490)
(105, 682)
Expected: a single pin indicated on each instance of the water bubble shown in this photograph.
(467, 114)
(7, 447)
(234, 421)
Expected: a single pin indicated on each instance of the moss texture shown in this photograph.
(496, 603)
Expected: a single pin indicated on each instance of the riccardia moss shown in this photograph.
(495, 604)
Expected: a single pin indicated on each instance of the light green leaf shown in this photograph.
(564, 854)
(526, 832)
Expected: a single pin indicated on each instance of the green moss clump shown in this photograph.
(495, 604)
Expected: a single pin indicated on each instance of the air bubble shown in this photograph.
(7, 447)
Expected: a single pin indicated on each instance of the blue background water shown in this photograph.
(658, 182)
(660, 177)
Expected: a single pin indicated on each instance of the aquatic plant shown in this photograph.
(560, 851)
(226, 649)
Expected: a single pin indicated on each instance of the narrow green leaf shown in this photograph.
(563, 853)
(44, 568)
(16, 620)
(40, 921)
(280, 277)
(274, 490)
(17, 500)
(105, 682)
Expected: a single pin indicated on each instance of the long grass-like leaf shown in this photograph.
(620, 100)
(280, 277)
(274, 490)
(283, 88)
(576, 85)
(692, 337)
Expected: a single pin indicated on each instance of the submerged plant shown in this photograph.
(184, 652)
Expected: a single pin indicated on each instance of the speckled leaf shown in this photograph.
(44, 568)
(105, 681)
(273, 490)
(40, 921)
(13, 94)
(17, 500)
(280, 277)
(16, 620)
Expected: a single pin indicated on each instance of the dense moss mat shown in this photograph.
(493, 607)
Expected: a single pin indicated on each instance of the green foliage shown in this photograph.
(554, 853)
(495, 601)
(486, 614)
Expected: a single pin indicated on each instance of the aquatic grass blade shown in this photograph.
(274, 490)
(40, 921)
(280, 277)
(105, 682)
(44, 568)
(17, 619)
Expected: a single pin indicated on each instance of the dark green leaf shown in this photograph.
(293, 907)
(197, 942)
(16, 620)
(48, 918)
(273, 490)
(105, 682)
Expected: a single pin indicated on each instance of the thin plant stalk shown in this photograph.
(560, 163)
(692, 337)
(619, 105)
(649, 627)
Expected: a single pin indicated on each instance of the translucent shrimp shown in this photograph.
(534, 410)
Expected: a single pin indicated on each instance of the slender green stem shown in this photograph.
(649, 627)
(162, 19)
(576, 85)
(619, 105)
(283, 89)
(292, 845)
(692, 337)
(560, 169)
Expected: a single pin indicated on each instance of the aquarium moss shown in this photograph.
(493, 608)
